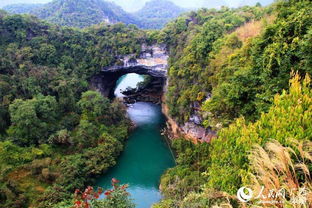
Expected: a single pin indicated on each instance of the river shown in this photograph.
(146, 155)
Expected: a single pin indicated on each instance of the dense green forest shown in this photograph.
(227, 71)
(246, 72)
(55, 132)
(253, 85)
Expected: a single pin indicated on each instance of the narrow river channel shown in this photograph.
(146, 155)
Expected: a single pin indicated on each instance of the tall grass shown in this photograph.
(285, 169)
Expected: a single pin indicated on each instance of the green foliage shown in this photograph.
(77, 170)
(226, 161)
(56, 135)
(117, 197)
(236, 74)
(287, 119)
(86, 134)
(21, 8)
(192, 160)
(32, 119)
(248, 80)
(12, 155)
(85, 13)
(191, 39)
(54, 131)
(2, 13)
(93, 105)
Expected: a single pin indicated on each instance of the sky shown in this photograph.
(134, 5)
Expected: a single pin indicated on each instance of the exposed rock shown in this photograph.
(151, 92)
(152, 61)
(192, 130)
(196, 119)
(198, 132)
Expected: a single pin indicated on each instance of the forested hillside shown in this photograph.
(227, 70)
(55, 133)
(192, 40)
(76, 13)
(250, 82)
(83, 13)
(156, 13)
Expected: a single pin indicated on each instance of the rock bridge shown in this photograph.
(152, 61)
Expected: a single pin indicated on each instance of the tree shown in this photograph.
(94, 106)
(46, 54)
(86, 134)
(32, 119)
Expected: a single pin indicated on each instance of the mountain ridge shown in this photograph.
(84, 13)
(156, 13)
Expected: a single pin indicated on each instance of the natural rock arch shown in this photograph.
(152, 62)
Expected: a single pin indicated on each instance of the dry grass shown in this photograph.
(253, 28)
(27, 183)
(276, 167)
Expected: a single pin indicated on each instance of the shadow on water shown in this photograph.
(146, 155)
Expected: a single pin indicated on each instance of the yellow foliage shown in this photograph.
(253, 28)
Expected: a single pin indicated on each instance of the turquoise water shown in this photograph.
(146, 155)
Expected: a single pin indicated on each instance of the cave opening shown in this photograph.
(143, 85)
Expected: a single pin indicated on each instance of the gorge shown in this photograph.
(152, 61)
(146, 155)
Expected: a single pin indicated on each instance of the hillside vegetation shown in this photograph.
(56, 134)
(229, 73)
(253, 85)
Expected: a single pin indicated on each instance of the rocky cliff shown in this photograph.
(191, 130)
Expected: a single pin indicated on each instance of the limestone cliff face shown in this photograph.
(192, 130)
(154, 58)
